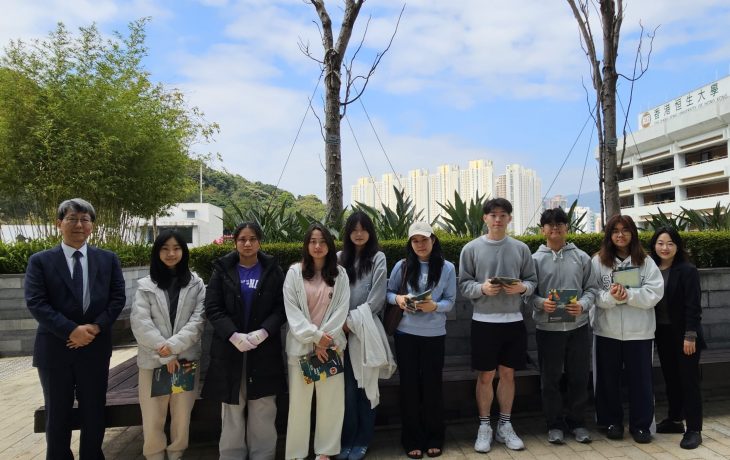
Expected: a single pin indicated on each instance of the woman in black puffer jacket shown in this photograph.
(244, 305)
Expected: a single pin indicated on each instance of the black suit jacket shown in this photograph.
(50, 299)
(683, 295)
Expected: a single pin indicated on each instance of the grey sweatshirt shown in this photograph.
(569, 268)
(481, 260)
(370, 288)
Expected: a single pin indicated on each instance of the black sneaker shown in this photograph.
(670, 426)
(691, 440)
(641, 436)
(615, 432)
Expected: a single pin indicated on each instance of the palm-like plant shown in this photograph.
(277, 223)
(575, 222)
(392, 224)
(463, 219)
(677, 222)
(717, 218)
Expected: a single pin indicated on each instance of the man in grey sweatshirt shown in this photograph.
(496, 273)
(563, 340)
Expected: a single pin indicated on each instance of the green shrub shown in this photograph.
(707, 249)
(14, 257)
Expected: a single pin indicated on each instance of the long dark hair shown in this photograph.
(329, 271)
(159, 272)
(681, 254)
(435, 265)
(608, 252)
(349, 254)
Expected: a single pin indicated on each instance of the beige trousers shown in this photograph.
(154, 415)
(252, 437)
(330, 413)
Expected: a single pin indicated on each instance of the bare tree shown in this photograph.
(604, 77)
(336, 103)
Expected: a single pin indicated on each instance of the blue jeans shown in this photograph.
(358, 427)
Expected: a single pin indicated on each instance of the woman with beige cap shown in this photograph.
(423, 285)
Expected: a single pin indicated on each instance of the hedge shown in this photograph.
(14, 257)
(707, 249)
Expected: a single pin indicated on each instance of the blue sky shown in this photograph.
(464, 79)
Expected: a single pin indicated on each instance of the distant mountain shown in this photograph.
(230, 191)
(588, 199)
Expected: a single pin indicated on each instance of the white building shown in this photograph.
(199, 223)
(588, 224)
(679, 156)
(477, 180)
(417, 188)
(523, 190)
(428, 190)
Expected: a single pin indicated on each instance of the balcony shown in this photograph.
(650, 169)
(706, 155)
(663, 196)
(695, 192)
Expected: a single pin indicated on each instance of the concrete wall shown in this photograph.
(17, 326)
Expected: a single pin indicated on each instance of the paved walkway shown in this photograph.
(20, 395)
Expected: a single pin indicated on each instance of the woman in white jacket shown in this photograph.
(624, 325)
(316, 301)
(167, 321)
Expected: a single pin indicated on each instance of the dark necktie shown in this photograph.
(78, 277)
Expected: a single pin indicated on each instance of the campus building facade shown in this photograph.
(678, 158)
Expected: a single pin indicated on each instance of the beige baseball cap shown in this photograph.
(419, 228)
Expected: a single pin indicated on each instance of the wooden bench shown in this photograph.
(122, 407)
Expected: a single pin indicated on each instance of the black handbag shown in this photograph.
(393, 314)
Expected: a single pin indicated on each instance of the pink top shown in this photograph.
(319, 295)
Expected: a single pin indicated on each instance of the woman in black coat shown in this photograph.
(245, 306)
(679, 336)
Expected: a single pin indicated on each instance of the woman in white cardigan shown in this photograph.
(316, 301)
(167, 321)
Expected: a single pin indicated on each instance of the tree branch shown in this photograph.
(376, 62)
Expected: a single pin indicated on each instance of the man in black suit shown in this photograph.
(75, 292)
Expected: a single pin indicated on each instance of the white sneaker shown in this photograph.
(484, 439)
(507, 436)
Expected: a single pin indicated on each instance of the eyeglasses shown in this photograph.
(76, 220)
(252, 240)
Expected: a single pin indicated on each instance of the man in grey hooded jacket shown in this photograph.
(563, 342)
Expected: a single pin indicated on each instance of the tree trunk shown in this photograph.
(611, 26)
(333, 146)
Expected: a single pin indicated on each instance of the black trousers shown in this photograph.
(681, 376)
(566, 352)
(420, 366)
(634, 358)
(86, 382)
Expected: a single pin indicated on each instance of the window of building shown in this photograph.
(658, 197)
(190, 214)
(186, 232)
(706, 190)
(656, 167)
(626, 174)
(626, 201)
(717, 152)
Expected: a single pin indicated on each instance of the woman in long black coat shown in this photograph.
(244, 304)
(679, 337)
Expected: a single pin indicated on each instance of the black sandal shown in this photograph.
(434, 452)
(412, 454)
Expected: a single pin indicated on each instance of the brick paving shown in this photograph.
(20, 395)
